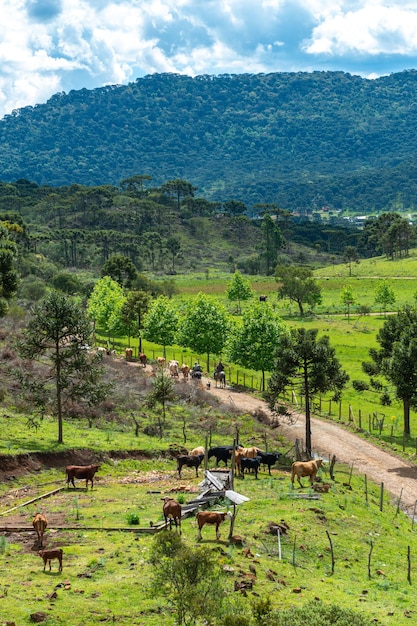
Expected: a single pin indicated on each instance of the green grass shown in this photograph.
(108, 573)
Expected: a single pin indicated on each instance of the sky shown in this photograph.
(50, 46)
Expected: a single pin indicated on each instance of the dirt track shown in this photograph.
(398, 476)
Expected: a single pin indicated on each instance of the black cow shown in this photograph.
(269, 459)
(262, 298)
(222, 453)
(250, 464)
(189, 460)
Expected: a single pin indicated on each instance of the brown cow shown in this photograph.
(39, 524)
(81, 471)
(129, 354)
(305, 468)
(172, 512)
(244, 453)
(143, 358)
(211, 517)
(161, 361)
(48, 555)
(185, 371)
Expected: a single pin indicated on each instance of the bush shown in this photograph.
(360, 385)
(316, 612)
(133, 518)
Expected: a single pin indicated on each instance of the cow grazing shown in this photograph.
(305, 468)
(161, 361)
(142, 359)
(172, 513)
(39, 524)
(128, 354)
(213, 518)
(251, 465)
(81, 471)
(173, 367)
(198, 451)
(49, 555)
(262, 298)
(222, 453)
(189, 461)
(269, 459)
(185, 371)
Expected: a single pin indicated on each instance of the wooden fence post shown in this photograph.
(381, 498)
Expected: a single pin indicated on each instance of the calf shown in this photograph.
(269, 459)
(161, 361)
(39, 524)
(81, 471)
(185, 371)
(143, 358)
(211, 517)
(128, 354)
(49, 555)
(189, 461)
(305, 468)
(172, 512)
(250, 464)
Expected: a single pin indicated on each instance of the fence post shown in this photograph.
(330, 407)
(360, 418)
(381, 499)
(340, 410)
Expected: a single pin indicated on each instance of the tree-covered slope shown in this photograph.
(295, 139)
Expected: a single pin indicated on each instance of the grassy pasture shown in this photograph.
(107, 572)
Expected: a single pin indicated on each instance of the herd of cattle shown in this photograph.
(249, 459)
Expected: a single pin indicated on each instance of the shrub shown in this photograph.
(316, 612)
(133, 518)
(360, 385)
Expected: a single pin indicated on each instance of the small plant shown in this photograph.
(133, 518)
(2, 544)
(181, 498)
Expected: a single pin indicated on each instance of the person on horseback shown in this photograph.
(219, 367)
(197, 370)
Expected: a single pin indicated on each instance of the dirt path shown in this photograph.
(398, 476)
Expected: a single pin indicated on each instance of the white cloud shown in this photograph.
(57, 45)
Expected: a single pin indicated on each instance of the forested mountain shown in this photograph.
(300, 140)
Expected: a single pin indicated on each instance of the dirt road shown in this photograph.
(398, 476)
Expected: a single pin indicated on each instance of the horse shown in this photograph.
(220, 377)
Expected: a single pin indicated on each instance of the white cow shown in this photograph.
(174, 368)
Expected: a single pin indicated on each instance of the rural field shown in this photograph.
(352, 546)
(107, 576)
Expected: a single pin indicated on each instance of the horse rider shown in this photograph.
(219, 367)
(197, 370)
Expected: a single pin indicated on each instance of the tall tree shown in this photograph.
(298, 285)
(132, 312)
(272, 243)
(121, 269)
(59, 331)
(350, 255)
(385, 296)
(135, 185)
(204, 326)
(8, 273)
(173, 245)
(253, 344)
(239, 289)
(348, 298)
(234, 207)
(105, 303)
(161, 322)
(396, 360)
(179, 189)
(308, 363)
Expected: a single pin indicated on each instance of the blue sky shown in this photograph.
(50, 46)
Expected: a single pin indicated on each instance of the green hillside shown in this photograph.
(302, 140)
